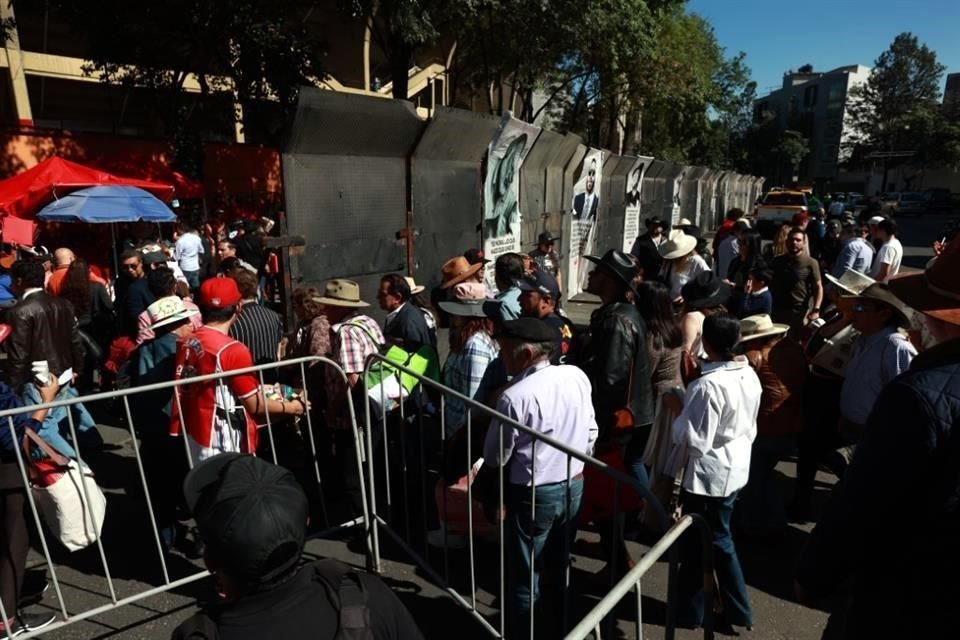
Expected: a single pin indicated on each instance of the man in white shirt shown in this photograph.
(187, 253)
(887, 263)
(554, 401)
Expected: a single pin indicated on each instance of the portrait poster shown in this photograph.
(631, 220)
(675, 200)
(501, 188)
(583, 220)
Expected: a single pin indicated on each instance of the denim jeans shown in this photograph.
(633, 453)
(762, 507)
(733, 589)
(546, 536)
(56, 423)
(193, 279)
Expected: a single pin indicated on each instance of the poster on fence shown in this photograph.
(583, 222)
(501, 188)
(631, 220)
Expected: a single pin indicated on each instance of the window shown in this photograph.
(835, 96)
(810, 96)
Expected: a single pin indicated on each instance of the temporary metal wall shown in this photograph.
(534, 193)
(610, 224)
(345, 177)
(446, 187)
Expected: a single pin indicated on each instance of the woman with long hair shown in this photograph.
(747, 260)
(93, 309)
(779, 245)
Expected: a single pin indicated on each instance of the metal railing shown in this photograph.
(381, 513)
(69, 616)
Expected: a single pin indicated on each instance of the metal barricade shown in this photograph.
(126, 396)
(496, 623)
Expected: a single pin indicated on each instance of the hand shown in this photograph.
(937, 247)
(813, 315)
(49, 392)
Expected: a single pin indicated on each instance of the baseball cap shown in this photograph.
(475, 256)
(251, 515)
(219, 293)
(541, 282)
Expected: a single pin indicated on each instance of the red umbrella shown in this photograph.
(26, 193)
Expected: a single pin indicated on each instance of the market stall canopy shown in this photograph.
(107, 204)
(26, 193)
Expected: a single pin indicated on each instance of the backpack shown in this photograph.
(345, 589)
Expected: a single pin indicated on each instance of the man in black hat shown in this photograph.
(616, 358)
(544, 255)
(645, 247)
(551, 400)
(252, 518)
(539, 294)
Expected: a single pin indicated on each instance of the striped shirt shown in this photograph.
(260, 330)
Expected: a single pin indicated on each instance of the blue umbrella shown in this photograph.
(107, 204)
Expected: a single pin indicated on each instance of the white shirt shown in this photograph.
(890, 253)
(554, 400)
(726, 252)
(718, 425)
(875, 362)
(187, 251)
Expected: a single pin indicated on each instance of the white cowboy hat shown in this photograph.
(853, 282)
(678, 245)
(760, 326)
(341, 293)
(168, 310)
(414, 287)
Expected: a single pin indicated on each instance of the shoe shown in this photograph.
(28, 621)
(35, 584)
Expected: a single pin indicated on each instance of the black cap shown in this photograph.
(546, 238)
(541, 282)
(655, 221)
(475, 256)
(252, 515)
(528, 330)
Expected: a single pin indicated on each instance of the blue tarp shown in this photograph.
(107, 204)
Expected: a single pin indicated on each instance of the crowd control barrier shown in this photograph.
(295, 370)
(400, 448)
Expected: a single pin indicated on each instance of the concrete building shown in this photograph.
(951, 93)
(815, 103)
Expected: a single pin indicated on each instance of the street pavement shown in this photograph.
(134, 565)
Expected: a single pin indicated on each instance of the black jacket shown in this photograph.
(646, 252)
(617, 342)
(408, 329)
(43, 328)
(893, 521)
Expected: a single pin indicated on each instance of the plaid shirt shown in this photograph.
(350, 347)
(463, 372)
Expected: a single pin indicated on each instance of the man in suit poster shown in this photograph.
(586, 207)
(631, 221)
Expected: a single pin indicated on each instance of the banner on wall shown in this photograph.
(501, 188)
(631, 221)
(583, 221)
(675, 198)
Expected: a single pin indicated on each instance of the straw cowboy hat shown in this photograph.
(469, 301)
(677, 245)
(760, 326)
(935, 291)
(879, 292)
(853, 282)
(456, 270)
(341, 293)
(167, 311)
(414, 287)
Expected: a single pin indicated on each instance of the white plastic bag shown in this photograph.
(64, 509)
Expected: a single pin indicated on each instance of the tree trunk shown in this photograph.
(400, 70)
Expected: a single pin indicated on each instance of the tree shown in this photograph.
(894, 112)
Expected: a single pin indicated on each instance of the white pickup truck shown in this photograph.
(778, 208)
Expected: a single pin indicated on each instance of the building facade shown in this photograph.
(815, 104)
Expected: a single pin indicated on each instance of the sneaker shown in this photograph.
(35, 584)
(29, 621)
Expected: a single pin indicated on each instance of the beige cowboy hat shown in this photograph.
(168, 310)
(853, 282)
(760, 326)
(456, 270)
(414, 287)
(879, 292)
(677, 245)
(341, 293)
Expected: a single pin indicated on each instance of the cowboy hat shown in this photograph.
(168, 310)
(760, 326)
(677, 245)
(704, 291)
(456, 270)
(685, 222)
(853, 282)
(622, 265)
(414, 287)
(879, 292)
(936, 290)
(469, 301)
(341, 293)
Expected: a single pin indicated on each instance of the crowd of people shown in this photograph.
(704, 366)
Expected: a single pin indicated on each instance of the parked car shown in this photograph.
(910, 203)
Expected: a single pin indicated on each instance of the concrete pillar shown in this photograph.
(18, 80)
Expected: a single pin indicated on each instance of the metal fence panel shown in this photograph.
(446, 188)
(690, 193)
(610, 225)
(534, 194)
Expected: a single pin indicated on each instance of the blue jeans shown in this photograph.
(733, 589)
(633, 454)
(193, 279)
(547, 537)
(55, 424)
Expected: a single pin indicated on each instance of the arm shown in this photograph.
(18, 348)
(690, 329)
(492, 454)
(817, 292)
(696, 426)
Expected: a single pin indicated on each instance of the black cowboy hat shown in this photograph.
(619, 263)
(706, 290)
